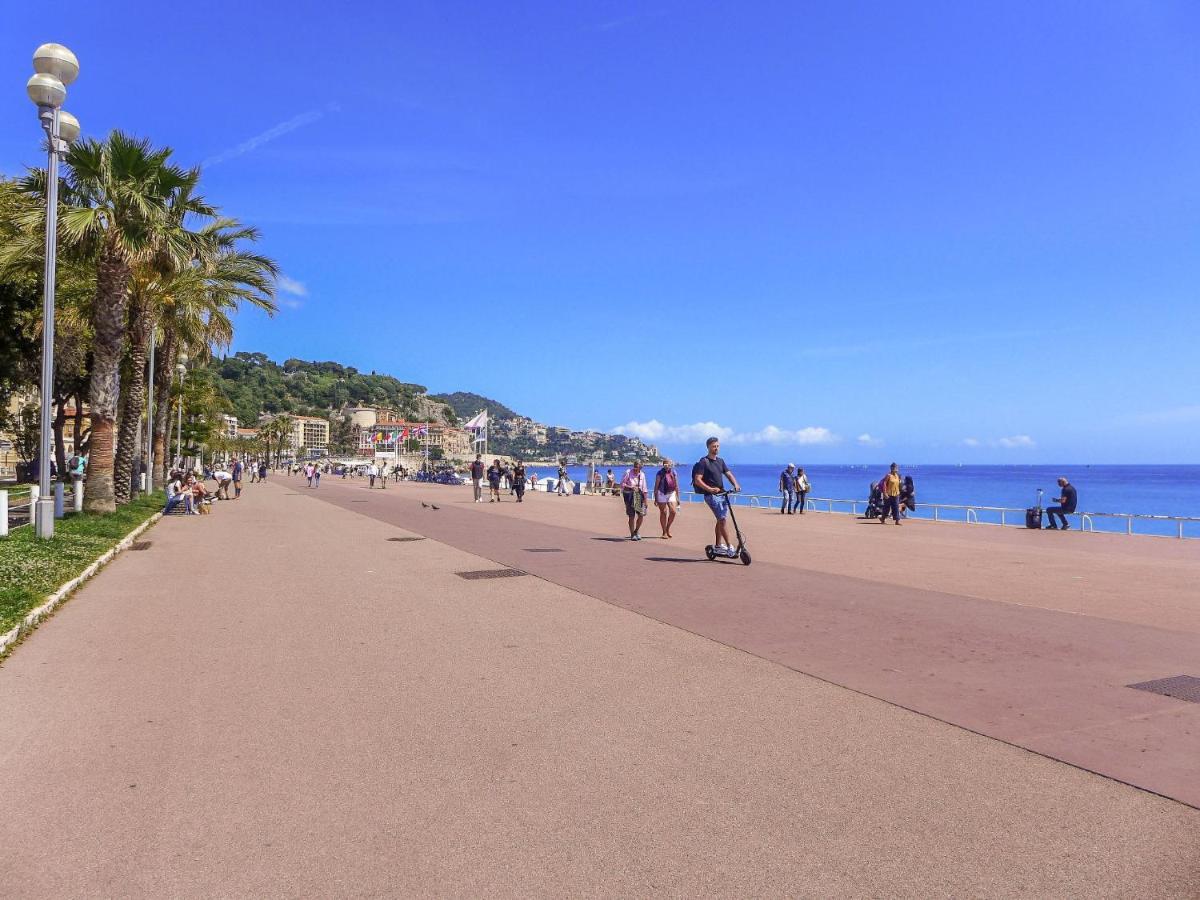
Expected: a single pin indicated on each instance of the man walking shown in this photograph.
(891, 495)
(477, 477)
(708, 478)
(1067, 502)
(787, 487)
(563, 481)
(237, 478)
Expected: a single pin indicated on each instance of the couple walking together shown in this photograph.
(666, 497)
(794, 486)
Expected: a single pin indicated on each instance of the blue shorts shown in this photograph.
(718, 504)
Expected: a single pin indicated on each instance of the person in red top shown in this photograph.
(633, 489)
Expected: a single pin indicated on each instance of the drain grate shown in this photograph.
(544, 550)
(1181, 687)
(490, 573)
(140, 545)
(404, 540)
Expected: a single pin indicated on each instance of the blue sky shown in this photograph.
(936, 232)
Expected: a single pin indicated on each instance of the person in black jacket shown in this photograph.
(1067, 503)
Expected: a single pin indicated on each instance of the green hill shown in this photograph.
(254, 384)
(465, 405)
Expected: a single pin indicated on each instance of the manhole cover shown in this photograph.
(490, 573)
(1181, 687)
(543, 549)
(404, 540)
(140, 545)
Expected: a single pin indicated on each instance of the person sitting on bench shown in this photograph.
(1067, 503)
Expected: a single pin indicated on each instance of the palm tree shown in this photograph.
(194, 309)
(195, 278)
(116, 195)
(173, 248)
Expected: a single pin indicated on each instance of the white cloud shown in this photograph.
(867, 441)
(778, 436)
(1020, 441)
(654, 430)
(291, 286)
(1014, 442)
(305, 118)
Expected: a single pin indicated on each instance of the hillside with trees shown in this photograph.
(254, 384)
(465, 405)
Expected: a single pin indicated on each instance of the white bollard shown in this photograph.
(3, 513)
(142, 482)
(58, 499)
(35, 491)
(77, 494)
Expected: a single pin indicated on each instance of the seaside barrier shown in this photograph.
(1181, 527)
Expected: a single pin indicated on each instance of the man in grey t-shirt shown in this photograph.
(708, 478)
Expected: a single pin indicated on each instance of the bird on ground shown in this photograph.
(436, 506)
(424, 504)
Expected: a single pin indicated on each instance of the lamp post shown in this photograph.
(55, 67)
(181, 368)
(150, 418)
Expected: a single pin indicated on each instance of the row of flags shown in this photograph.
(384, 436)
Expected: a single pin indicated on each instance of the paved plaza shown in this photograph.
(283, 699)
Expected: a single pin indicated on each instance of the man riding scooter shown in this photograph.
(708, 478)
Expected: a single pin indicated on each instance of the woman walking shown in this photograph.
(666, 496)
(633, 489)
(802, 488)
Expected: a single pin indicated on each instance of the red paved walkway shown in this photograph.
(1047, 680)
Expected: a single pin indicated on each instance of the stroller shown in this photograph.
(874, 500)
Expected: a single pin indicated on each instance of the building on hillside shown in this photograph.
(389, 436)
(310, 436)
(246, 434)
(229, 426)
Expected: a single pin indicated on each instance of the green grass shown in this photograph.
(32, 569)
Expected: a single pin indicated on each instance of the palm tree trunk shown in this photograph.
(140, 329)
(60, 421)
(108, 326)
(164, 359)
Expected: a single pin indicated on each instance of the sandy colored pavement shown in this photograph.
(279, 701)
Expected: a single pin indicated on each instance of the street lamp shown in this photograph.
(55, 67)
(181, 368)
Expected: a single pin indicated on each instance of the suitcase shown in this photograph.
(1033, 515)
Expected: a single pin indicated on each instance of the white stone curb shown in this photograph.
(33, 617)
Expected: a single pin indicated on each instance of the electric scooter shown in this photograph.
(739, 552)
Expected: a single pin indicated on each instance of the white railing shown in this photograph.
(970, 513)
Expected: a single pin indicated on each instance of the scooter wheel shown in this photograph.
(710, 552)
(745, 557)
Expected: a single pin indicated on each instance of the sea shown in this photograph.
(1168, 491)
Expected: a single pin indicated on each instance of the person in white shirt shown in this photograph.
(223, 479)
(372, 474)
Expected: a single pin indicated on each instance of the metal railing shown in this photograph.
(970, 514)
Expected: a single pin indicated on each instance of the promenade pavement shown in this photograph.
(279, 700)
